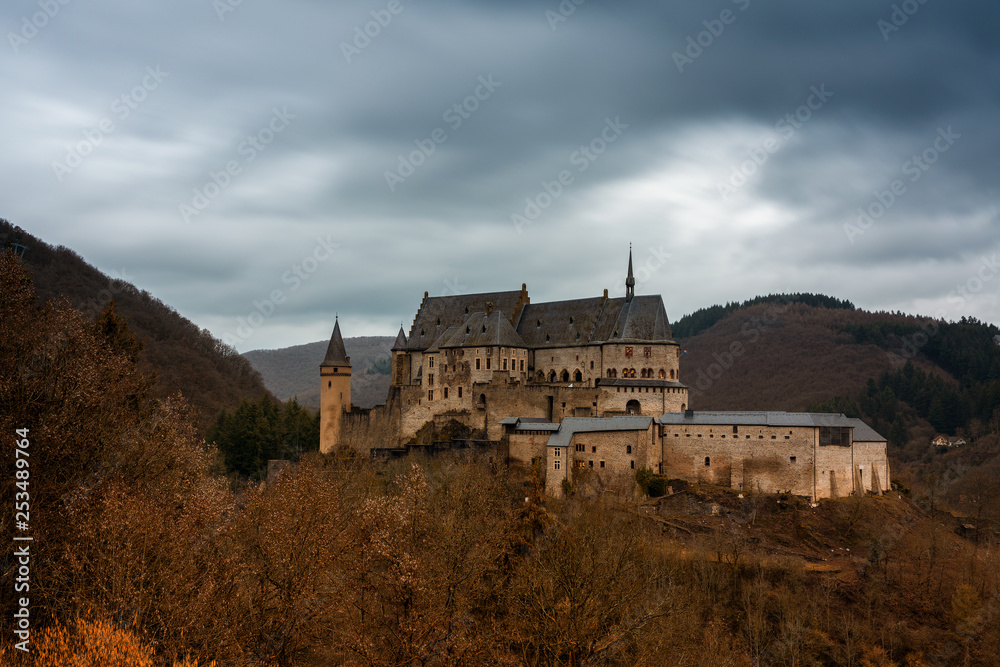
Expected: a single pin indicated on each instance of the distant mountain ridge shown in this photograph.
(293, 372)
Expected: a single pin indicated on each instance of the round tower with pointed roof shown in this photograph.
(335, 392)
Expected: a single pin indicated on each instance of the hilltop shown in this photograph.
(293, 372)
(184, 358)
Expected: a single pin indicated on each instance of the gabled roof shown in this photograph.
(639, 319)
(862, 432)
(336, 355)
(572, 425)
(438, 313)
(560, 323)
(482, 330)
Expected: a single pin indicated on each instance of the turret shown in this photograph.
(335, 392)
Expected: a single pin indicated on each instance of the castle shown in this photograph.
(590, 389)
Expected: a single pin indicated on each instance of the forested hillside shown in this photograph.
(184, 358)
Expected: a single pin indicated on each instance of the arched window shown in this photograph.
(624, 372)
(632, 407)
(552, 376)
(578, 376)
(565, 375)
(671, 373)
(609, 372)
(541, 376)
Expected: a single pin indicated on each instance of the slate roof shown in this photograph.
(862, 432)
(560, 323)
(572, 425)
(438, 313)
(595, 320)
(336, 355)
(570, 323)
(400, 343)
(481, 330)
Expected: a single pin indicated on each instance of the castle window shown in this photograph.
(430, 394)
(628, 351)
(708, 461)
(555, 466)
(538, 323)
(546, 338)
(460, 392)
(578, 377)
(489, 363)
(628, 449)
(593, 450)
(571, 319)
(647, 351)
(736, 429)
(791, 459)
(581, 448)
(602, 464)
(774, 437)
(633, 465)
(329, 384)
(505, 363)
(786, 437)
(663, 374)
(591, 365)
(557, 451)
(580, 464)
(478, 363)
(446, 392)
(522, 365)
(590, 464)
(552, 376)
(565, 376)
(430, 379)
(671, 373)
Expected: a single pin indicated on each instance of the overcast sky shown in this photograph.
(346, 157)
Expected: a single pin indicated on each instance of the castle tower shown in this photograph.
(335, 391)
(400, 360)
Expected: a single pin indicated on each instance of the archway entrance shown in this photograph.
(632, 407)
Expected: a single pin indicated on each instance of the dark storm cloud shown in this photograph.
(697, 89)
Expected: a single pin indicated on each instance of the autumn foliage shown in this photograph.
(146, 554)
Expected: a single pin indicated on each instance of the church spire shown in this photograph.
(336, 355)
(630, 280)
